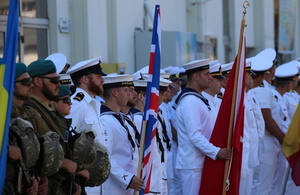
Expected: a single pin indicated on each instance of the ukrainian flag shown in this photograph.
(7, 77)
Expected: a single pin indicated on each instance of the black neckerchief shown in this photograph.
(105, 110)
(135, 111)
(164, 130)
(189, 91)
(160, 146)
(137, 134)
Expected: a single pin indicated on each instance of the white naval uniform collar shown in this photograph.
(209, 98)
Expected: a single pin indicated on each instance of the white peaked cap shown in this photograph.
(196, 65)
(165, 75)
(168, 69)
(181, 70)
(215, 69)
(269, 53)
(59, 61)
(214, 66)
(226, 67)
(248, 62)
(286, 71)
(175, 70)
(113, 81)
(260, 63)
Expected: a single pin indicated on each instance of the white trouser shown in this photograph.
(176, 183)
(190, 180)
(291, 188)
(280, 175)
(264, 173)
(246, 181)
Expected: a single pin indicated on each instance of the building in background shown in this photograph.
(120, 30)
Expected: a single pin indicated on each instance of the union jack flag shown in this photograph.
(151, 102)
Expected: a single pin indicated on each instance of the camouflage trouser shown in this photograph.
(9, 188)
(55, 187)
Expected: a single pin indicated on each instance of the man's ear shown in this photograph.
(196, 76)
(37, 82)
(141, 97)
(114, 92)
(85, 79)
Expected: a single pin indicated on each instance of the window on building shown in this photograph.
(33, 30)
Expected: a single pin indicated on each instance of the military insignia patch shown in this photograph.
(254, 100)
(275, 96)
(220, 95)
(100, 64)
(79, 96)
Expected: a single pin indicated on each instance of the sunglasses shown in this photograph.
(54, 80)
(66, 100)
(25, 82)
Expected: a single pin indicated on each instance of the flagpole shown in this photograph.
(286, 178)
(142, 147)
(150, 106)
(226, 183)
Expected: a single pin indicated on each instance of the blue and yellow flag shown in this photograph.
(7, 77)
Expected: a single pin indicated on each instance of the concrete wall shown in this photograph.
(107, 27)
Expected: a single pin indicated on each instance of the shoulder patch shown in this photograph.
(79, 96)
(262, 85)
(220, 95)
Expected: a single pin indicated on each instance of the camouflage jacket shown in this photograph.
(48, 119)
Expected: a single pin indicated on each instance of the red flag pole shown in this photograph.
(233, 105)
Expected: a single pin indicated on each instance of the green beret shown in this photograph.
(64, 90)
(41, 67)
(21, 68)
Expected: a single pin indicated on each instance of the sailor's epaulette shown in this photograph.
(262, 85)
(79, 96)
(276, 98)
(220, 95)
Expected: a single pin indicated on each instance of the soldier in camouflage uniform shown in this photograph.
(45, 89)
(22, 91)
(63, 105)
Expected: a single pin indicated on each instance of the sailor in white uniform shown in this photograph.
(284, 77)
(253, 133)
(292, 97)
(226, 69)
(215, 88)
(137, 111)
(273, 136)
(195, 126)
(120, 143)
(85, 109)
(292, 100)
(129, 117)
(165, 109)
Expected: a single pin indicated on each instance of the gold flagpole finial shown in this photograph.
(246, 4)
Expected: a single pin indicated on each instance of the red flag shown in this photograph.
(228, 132)
(291, 146)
